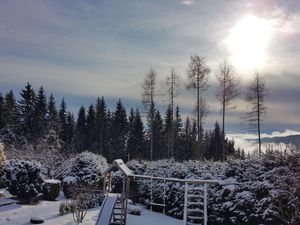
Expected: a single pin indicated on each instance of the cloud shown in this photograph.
(187, 2)
(248, 141)
(91, 48)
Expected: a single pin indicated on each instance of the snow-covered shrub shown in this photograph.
(23, 178)
(86, 168)
(51, 189)
(174, 192)
(134, 210)
(69, 183)
(66, 208)
(2, 163)
(253, 191)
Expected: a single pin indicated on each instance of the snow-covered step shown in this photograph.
(195, 217)
(157, 204)
(195, 189)
(195, 196)
(195, 203)
(190, 223)
(194, 210)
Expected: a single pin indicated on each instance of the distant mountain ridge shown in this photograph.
(290, 139)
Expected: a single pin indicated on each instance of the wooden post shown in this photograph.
(205, 204)
(126, 198)
(185, 203)
(104, 184)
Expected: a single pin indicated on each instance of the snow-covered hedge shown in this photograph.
(23, 178)
(86, 168)
(253, 191)
(2, 163)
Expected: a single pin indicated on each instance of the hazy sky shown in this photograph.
(84, 49)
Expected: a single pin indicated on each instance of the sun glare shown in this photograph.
(248, 41)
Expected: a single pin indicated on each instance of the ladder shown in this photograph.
(195, 204)
(118, 217)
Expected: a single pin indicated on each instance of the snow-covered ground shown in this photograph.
(20, 215)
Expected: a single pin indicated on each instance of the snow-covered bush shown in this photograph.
(174, 192)
(68, 184)
(23, 178)
(66, 208)
(134, 210)
(253, 191)
(2, 158)
(2, 163)
(86, 168)
(51, 189)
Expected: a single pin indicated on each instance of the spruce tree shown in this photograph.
(119, 131)
(186, 148)
(168, 135)
(131, 138)
(26, 109)
(2, 121)
(102, 127)
(177, 129)
(70, 128)
(81, 131)
(158, 146)
(52, 116)
(10, 109)
(216, 143)
(39, 115)
(63, 120)
(91, 129)
(138, 129)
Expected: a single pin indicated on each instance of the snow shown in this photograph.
(69, 180)
(48, 210)
(52, 181)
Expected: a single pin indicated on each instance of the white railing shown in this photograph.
(186, 183)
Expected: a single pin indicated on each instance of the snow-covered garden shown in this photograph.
(252, 191)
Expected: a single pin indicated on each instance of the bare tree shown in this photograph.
(197, 80)
(228, 90)
(171, 85)
(255, 96)
(148, 97)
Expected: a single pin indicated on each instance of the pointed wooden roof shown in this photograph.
(120, 165)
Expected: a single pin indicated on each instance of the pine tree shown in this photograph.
(177, 129)
(70, 128)
(135, 143)
(197, 80)
(2, 105)
(194, 140)
(131, 137)
(63, 121)
(216, 143)
(227, 91)
(91, 129)
(10, 109)
(102, 127)
(158, 146)
(26, 109)
(168, 135)
(81, 131)
(119, 131)
(148, 100)
(185, 149)
(39, 115)
(172, 85)
(255, 97)
(52, 117)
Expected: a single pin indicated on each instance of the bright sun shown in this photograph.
(248, 41)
